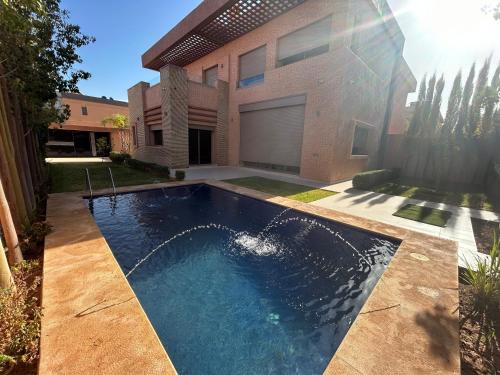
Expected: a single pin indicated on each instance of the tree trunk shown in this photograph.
(9, 230)
(11, 174)
(15, 128)
(6, 280)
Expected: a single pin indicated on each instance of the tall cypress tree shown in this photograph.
(463, 116)
(453, 106)
(478, 99)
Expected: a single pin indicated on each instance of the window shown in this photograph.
(134, 135)
(356, 30)
(307, 42)
(372, 43)
(360, 141)
(252, 67)
(84, 111)
(157, 137)
(210, 76)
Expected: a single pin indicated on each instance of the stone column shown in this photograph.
(222, 130)
(136, 113)
(92, 144)
(174, 107)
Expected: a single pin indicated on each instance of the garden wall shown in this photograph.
(423, 161)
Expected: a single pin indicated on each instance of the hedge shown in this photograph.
(369, 179)
(118, 157)
(180, 174)
(148, 167)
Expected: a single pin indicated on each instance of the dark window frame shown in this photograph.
(316, 51)
(364, 149)
(157, 137)
(85, 111)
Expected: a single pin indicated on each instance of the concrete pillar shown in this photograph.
(222, 130)
(92, 144)
(174, 107)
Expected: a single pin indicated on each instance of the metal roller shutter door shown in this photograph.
(272, 136)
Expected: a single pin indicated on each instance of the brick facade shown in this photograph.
(342, 90)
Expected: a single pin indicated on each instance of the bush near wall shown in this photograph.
(148, 167)
(123, 158)
(369, 179)
(118, 157)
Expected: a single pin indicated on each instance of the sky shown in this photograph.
(442, 36)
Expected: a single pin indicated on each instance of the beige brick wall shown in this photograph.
(333, 101)
(174, 107)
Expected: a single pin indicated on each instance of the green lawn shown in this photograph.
(425, 215)
(472, 200)
(285, 189)
(71, 176)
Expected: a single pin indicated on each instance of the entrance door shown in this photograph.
(200, 146)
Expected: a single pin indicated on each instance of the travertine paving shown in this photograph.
(94, 324)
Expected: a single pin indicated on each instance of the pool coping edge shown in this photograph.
(351, 356)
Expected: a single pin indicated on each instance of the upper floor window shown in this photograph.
(210, 76)
(252, 67)
(309, 41)
(360, 141)
(372, 44)
(84, 111)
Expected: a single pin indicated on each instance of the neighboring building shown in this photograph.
(79, 134)
(303, 86)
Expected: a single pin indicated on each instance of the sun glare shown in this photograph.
(455, 22)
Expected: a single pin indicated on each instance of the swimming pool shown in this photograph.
(233, 284)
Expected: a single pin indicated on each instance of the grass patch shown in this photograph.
(425, 215)
(477, 201)
(66, 177)
(296, 192)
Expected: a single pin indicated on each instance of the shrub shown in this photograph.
(33, 234)
(148, 167)
(20, 317)
(161, 169)
(485, 279)
(180, 174)
(140, 165)
(366, 180)
(118, 157)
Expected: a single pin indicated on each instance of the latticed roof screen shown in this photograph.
(237, 18)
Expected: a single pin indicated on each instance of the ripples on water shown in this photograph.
(236, 285)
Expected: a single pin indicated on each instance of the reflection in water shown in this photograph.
(237, 285)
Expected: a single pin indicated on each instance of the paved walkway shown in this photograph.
(79, 160)
(374, 206)
(380, 207)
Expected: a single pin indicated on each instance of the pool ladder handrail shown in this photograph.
(87, 180)
(112, 180)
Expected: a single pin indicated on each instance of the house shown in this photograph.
(301, 86)
(80, 135)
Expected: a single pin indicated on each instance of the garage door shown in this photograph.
(271, 134)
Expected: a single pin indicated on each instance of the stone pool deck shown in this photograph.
(94, 324)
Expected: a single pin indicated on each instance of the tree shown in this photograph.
(38, 50)
(5, 274)
(15, 255)
(462, 147)
(120, 122)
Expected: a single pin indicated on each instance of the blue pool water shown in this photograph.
(235, 285)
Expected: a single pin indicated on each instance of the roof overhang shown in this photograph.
(211, 25)
(214, 23)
